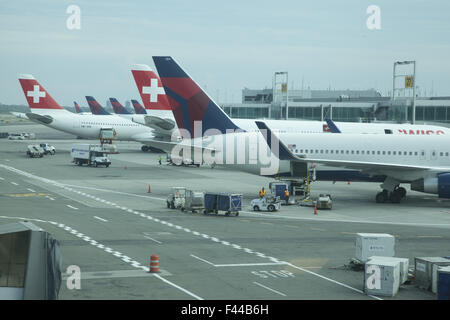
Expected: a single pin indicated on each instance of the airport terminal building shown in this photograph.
(339, 105)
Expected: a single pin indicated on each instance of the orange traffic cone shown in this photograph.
(149, 191)
(348, 182)
(315, 209)
(154, 263)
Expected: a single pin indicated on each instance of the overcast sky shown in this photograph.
(224, 45)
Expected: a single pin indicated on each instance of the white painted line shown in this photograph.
(31, 190)
(153, 239)
(1, 178)
(206, 261)
(16, 184)
(50, 198)
(101, 219)
(178, 287)
(250, 264)
(263, 286)
(71, 207)
(328, 279)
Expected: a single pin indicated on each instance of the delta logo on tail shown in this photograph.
(190, 104)
(118, 107)
(150, 88)
(37, 97)
(138, 108)
(95, 107)
(77, 107)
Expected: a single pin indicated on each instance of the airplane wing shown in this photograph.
(283, 153)
(38, 118)
(159, 124)
(167, 146)
(333, 127)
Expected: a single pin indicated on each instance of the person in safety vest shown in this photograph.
(286, 195)
(262, 193)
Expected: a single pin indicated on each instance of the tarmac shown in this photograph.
(108, 224)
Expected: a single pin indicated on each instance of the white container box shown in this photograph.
(374, 244)
(424, 270)
(404, 265)
(388, 282)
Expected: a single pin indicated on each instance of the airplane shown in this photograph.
(95, 107)
(190, 103)
(118, 107)
(421, 161)
(138, 108)
(45, 110)
(192, 106)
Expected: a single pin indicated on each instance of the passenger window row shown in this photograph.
(367, 152)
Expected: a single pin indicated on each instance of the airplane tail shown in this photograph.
(150, 88)
(189, 102)
(118, 107)
(138, 108)
(95, 107)
(77, 107)
(37, 97)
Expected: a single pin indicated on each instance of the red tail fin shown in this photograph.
(37, 97)
(150, 88)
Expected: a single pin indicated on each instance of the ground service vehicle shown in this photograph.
(35, 151)
(268, 203)
(48, 149)
(324, 201)
(90, 154)
(177, 198)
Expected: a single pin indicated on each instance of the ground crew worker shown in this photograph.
(159, 159)
(286, 195)
(262, 193)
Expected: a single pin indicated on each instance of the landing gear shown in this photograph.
(395, 196)
(144, 148)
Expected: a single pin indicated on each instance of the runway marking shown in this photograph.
(50, 198)
(74, 208)
(116, 254)
(31, 190)
(429, 236)
(101, 219)
(318, 229)
(1, 178)
(16, 184)
(192, 232)
(270, 289)
(238, 264)
(153, 239)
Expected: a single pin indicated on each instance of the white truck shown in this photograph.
(48, 149)
(90, 154)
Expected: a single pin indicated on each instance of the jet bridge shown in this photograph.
(30, 263)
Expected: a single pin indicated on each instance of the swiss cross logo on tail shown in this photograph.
(36, 94)
(154, 90)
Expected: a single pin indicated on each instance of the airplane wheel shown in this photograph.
(144, 148)
(381, 197)
(401, 191)
(395, 197)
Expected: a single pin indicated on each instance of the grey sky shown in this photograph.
(224, 45)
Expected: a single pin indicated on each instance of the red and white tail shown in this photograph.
(150, 88)
(37, 97)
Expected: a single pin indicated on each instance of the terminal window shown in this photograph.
(13, 258)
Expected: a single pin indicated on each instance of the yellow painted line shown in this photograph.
(23, 195)
(286, 225)
(352, 233)
(267, 223)
(317, 229)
